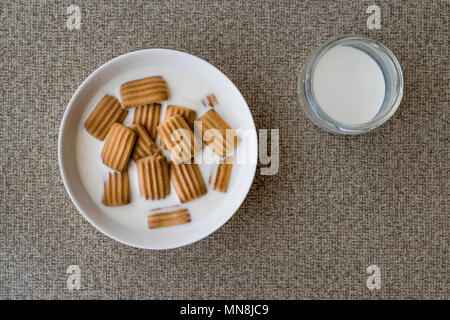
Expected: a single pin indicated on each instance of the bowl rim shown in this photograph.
(62, 169)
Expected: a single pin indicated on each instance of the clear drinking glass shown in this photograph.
(393, 78)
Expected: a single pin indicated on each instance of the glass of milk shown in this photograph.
(351, 85)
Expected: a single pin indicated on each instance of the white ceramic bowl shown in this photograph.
(91, 208)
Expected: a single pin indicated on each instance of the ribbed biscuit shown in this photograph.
(144, 145)
(187, 181)
(210, 100)
(223, 175)
(107, 111)
(153, 177)
(116, 191)
(143, 91)
(217, 138)
(188, 114)
(182, 148)
(118, 146)
(148, 117)
(167, 219)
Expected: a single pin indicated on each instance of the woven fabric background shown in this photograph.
(337, 205)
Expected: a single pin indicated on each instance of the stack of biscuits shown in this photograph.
(138, 142)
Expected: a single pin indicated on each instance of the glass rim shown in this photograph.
(320, 115)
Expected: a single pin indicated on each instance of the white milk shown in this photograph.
(348, 85)
(184, 90)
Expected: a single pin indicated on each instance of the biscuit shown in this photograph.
(118, 146)
(216, 133)
(170, 218)
(144, 145)
(107, 111)
(210, 100)
(223, 175)
(188, 114)
(178, 137)
(148, 117)
(187, 181)
(143, 91)
(116, 189)
(153, 177)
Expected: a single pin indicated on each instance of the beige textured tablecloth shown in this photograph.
(337, 205)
